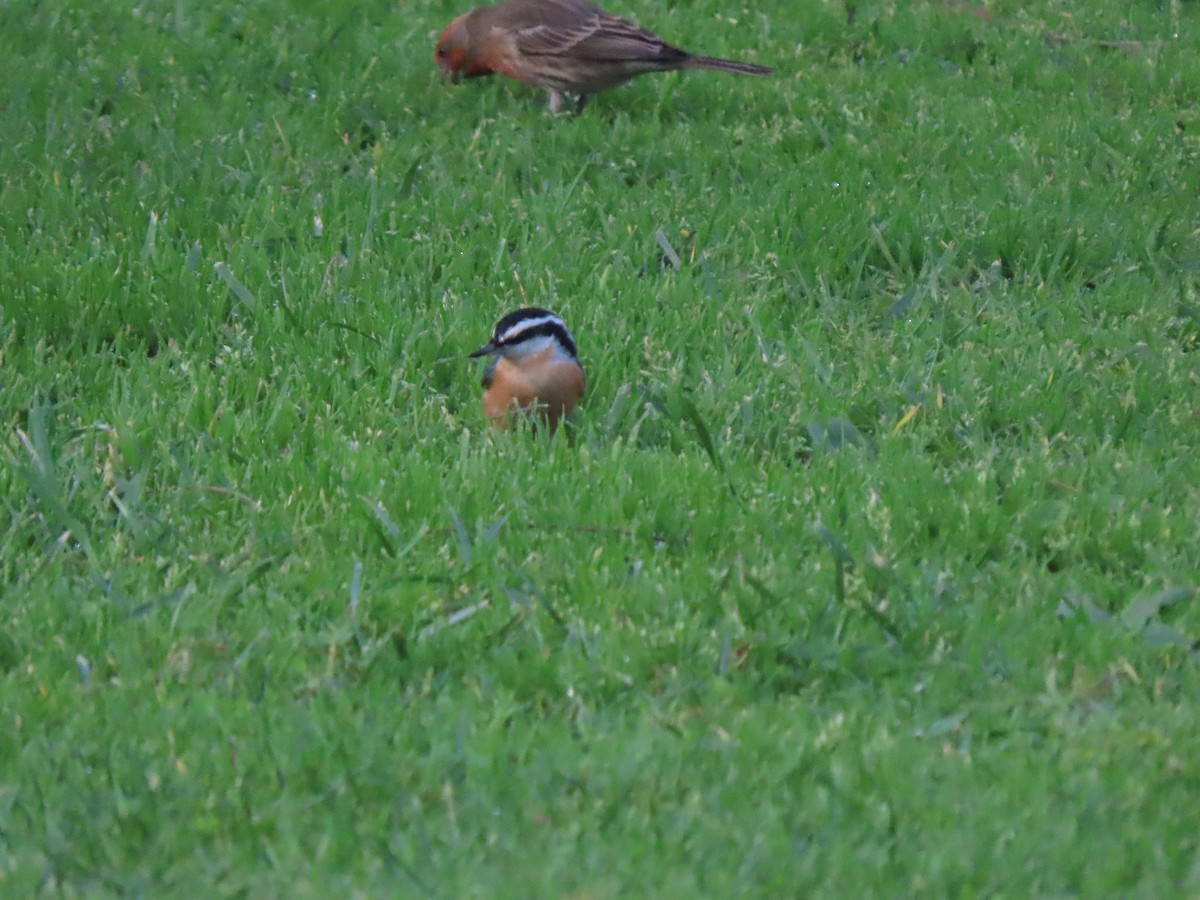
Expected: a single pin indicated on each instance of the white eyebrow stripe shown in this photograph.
(524, 325)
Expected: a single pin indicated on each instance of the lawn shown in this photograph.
(868, 565)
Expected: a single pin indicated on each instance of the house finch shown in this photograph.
(564, 46)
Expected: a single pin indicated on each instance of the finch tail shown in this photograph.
(725, 65)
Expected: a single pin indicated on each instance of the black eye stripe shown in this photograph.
(546, 329)
(532, 322)
(528, 313)
(518, 329)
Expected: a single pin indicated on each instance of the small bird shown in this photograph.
(564, 46)
(533, 368)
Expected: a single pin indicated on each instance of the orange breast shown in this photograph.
(550, 386)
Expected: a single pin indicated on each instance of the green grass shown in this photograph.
(869, 566)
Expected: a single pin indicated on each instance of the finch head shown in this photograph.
(454, 54)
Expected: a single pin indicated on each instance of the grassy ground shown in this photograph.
(869, 568)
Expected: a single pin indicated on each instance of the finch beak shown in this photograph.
(486, 350)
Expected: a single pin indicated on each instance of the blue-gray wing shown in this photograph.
(489, 371)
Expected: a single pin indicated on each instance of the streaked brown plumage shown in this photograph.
(564, 46)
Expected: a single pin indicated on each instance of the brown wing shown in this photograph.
(582, 29)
